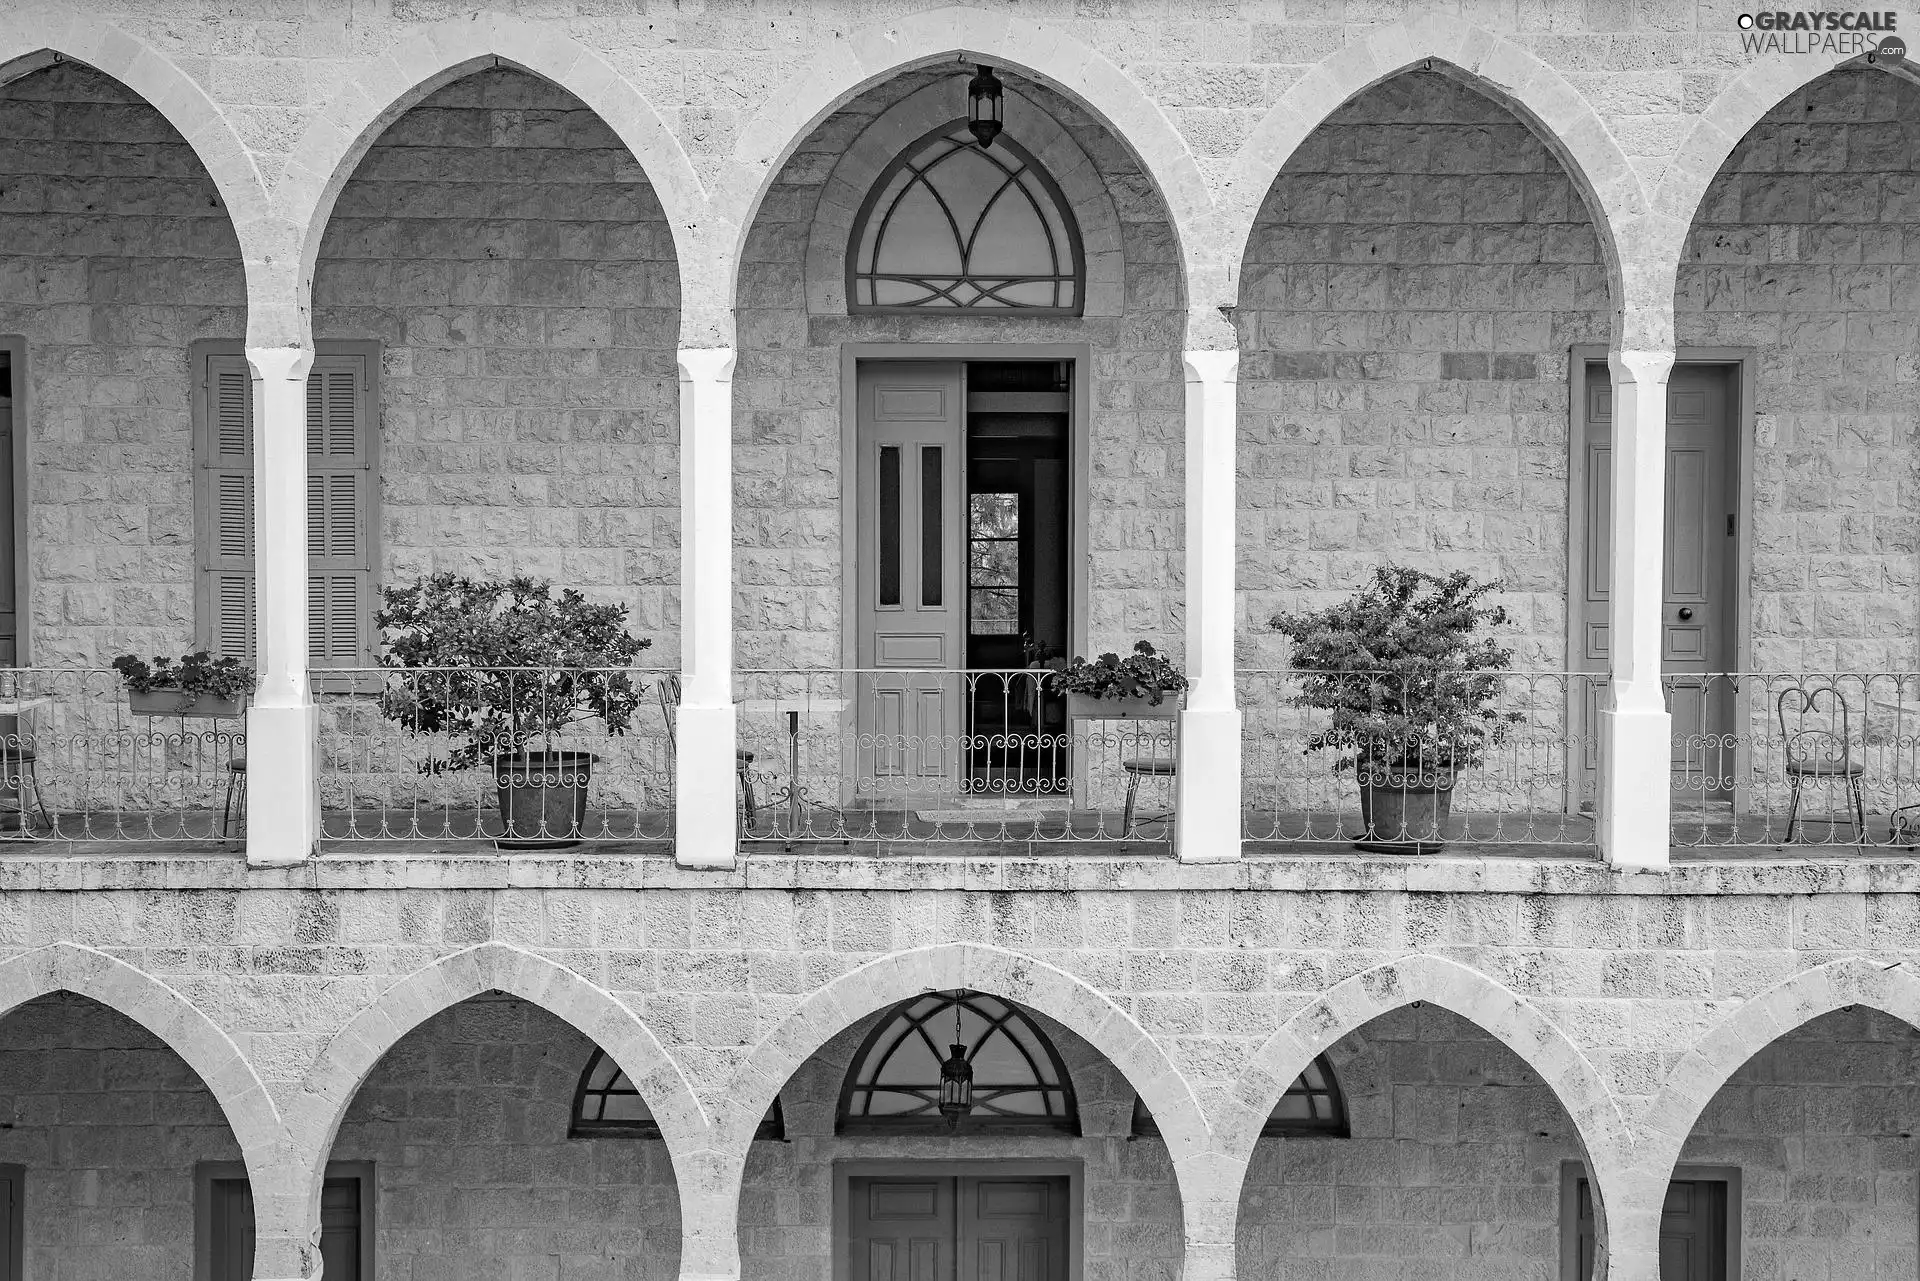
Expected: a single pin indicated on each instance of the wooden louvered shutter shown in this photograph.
(223, 448)
(340, 484)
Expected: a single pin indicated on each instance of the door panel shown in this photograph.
(1698, 564)
(957, 1229)
(908, 561)
(1693, 1231)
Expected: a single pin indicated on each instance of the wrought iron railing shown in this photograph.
(392, 768)
(77, 763)
(1508, 758)
(1776, 759)
(905, 758)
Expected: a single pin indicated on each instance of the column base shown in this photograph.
(1207, 820)
(706, 831)
(282, 810)
(1636, 788)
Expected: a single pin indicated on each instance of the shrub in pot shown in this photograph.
(1411, 688)
(508, 667)
(197, 685)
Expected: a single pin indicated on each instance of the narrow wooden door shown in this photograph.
(1697, 623)
(901, 1229)
(9, 498)
(1693, 1231)
(1013, 1229)
(957, 1228)
(912, 585)
(230, 1221)
(12, 1249)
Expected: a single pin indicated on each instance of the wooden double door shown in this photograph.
(1698, 621)
(1693, 1231)
(958, 1228)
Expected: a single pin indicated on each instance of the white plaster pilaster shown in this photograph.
(1207, 790)
(705, 734)
(283, 792)
(1635, 728)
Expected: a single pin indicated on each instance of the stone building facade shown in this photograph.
(1356, 282)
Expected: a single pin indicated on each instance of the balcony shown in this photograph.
(1811, 762)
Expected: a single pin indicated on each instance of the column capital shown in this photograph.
(280, 364)
(1640, 366)
(705, 364)
(1211, 366)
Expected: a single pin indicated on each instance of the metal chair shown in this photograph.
(1137, 768)
(668, 690)
(1817, 751)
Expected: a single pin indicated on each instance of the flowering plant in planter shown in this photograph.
(503, 665)
(197, 682)
(1409, 683)
(1145, 673)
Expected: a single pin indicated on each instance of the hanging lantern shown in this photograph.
(956, 1078)
(986, 112)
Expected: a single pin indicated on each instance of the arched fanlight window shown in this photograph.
(605, 1103)
(951, 225)
(1312, 1105)
(1020, 1086)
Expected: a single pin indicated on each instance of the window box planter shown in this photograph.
(180, 702)
(1140, 708)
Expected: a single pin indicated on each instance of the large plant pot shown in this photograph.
(543, 798)
(177, 702)
(1405, 813)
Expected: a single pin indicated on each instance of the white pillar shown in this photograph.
(1207, 797)
(1635, 729)
(283, 787)
(705, 734)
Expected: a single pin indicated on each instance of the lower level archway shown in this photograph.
(1449, 1169)
(995, 1200)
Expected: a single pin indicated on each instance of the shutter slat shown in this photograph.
(231, 493)
(343, 413)
(230, 403)
(343, 516)
(233, 616)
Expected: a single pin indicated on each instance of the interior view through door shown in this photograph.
(963, 505)
(952, 1228)
(1697, 622)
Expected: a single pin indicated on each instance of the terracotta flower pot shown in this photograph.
(1405, 812)
(543, 798)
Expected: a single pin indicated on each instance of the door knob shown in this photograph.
(1686, 612)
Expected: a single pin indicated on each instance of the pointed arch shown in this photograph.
(34, 40)
(340, 134)
(1495, 1009)
(839, 72)
(179, 1024)
(1509, 74)
(1756, 1023)
(357, 1049)
(885, 982)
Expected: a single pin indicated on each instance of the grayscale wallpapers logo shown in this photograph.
(1834, 33)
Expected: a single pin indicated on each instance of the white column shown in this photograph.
(705, 735)
(1635, 729)
(1207, 798)
(283, 787)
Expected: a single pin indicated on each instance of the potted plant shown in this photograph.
(1412, 691)
(197, 685)
(507, 667)
(1039, 656)
(1115, 688)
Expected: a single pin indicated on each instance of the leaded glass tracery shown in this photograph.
(952, 225)
(1019, 1083)
(605, 1103)
(1312, 1105)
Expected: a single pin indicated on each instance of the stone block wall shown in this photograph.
(108, 1122)
(1806, 250)
(507, 252)
(116, 253)
(465, 1121)
(1415, 279)
(1132, 1224)
(787, 407)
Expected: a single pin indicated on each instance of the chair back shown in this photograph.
(1816, 725)
(667, 688)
